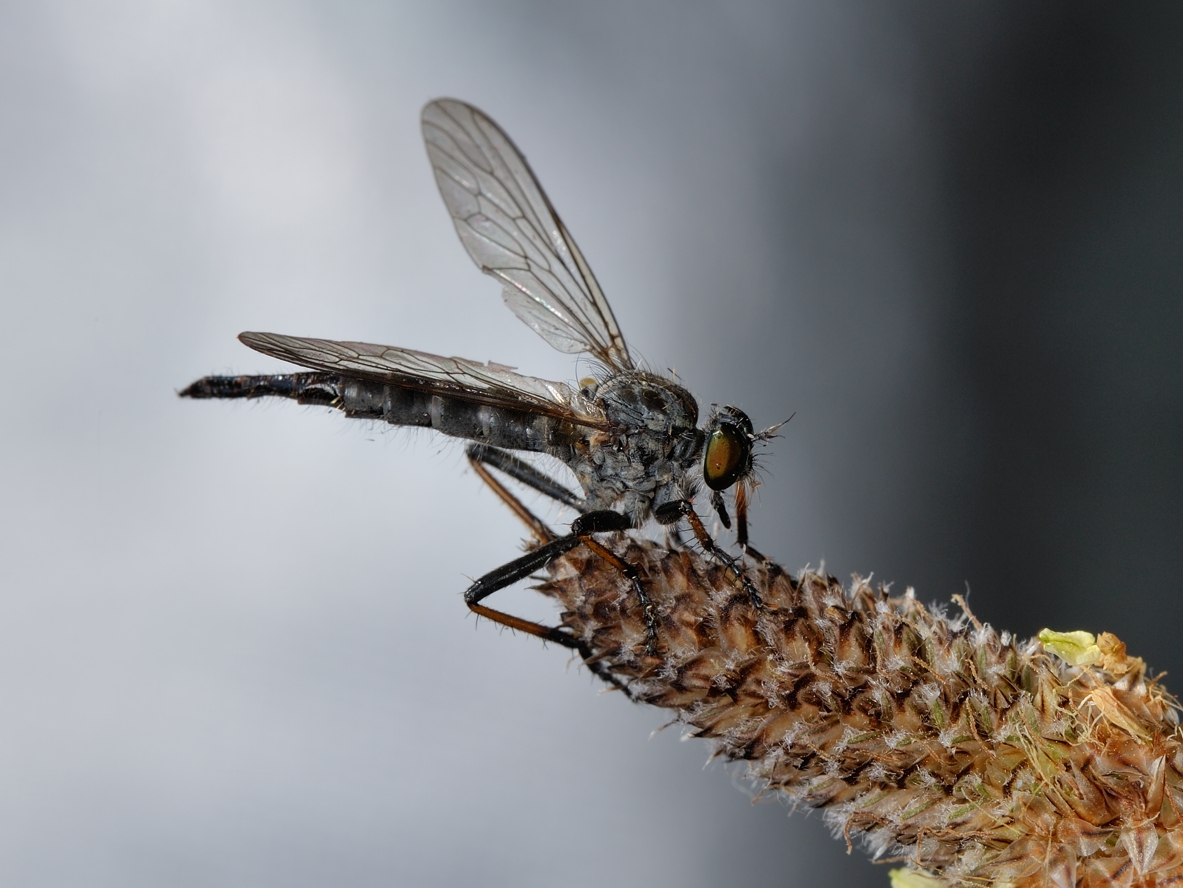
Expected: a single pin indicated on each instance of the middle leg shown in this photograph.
(670, 513)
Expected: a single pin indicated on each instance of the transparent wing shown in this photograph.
(508, 226)
(450, 377)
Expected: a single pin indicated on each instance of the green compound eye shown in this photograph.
(728, 456)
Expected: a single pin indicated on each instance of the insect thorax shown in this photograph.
(653, 442)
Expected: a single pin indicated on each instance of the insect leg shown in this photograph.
(668, 513)
(523, 472)
(521, 568)
(630, 573)
(593, 522)
(601, 522)
(558, 636)
(541, 532)
(510, 573)
(741, 525)
(582, 528)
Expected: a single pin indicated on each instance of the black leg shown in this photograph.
(668, 513)
(551, 548)
(523, 472)
(520, 568)
(541, 532)
(498, 580)
(741, 524)
(582, 529)
(605, 521)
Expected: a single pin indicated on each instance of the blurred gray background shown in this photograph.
(232, 647)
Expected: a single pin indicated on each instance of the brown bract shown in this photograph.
(931, 738)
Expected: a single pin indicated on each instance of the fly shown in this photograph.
(630, 437)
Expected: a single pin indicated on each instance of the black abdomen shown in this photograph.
(306, 388)
(495, 426)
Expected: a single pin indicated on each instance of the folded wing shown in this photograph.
(458, 378)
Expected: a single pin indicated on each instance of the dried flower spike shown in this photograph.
(936, 741)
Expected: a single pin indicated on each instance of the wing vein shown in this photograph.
(507, 224)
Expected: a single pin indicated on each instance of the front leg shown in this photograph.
(741, 526)
(669, 513)
(741, 520)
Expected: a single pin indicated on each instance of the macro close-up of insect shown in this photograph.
(630, 437)
(934, 741)
(412, 589)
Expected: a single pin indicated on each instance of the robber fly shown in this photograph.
(630, 437)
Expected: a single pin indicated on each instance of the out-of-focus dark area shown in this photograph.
(1053, 468)
(1066, 182)
(232, 644)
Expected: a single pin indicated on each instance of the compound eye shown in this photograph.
(728, 456)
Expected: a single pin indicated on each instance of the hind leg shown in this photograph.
(552, 547)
